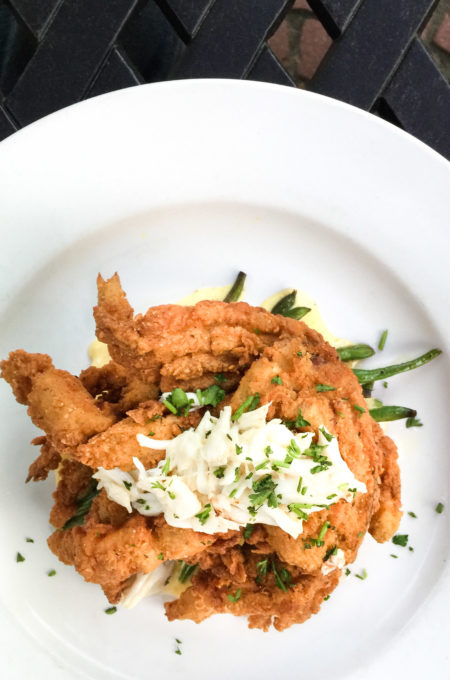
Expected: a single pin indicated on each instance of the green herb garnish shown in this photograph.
(383, 339)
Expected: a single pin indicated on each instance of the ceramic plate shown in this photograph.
(178, 186)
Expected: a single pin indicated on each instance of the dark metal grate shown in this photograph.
(57, 52)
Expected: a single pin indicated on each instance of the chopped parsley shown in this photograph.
(276, 380)
(412, 514)
(160, 556)
(178, 650)
(385, 384)
(239, 449)
(127, 485)
(219, 472)
(298, 422)
(327, 597)
(249, 404)
(52, 572)
(204, 514)
(155, 417)
(264, 490)
(413, 422)
(111, 610)
(150, 434)
(383, 339)
(400, 539)
(211, 396)
(324, 388)
(20, 557)
(315, 453)
(299, 353)
(330, 552)
(439, 508)
(394, 556)
(187, 570)
(347, 572)
(219, 378)
(84, 503)
(328, 436)
(29, 540)
(235, 598)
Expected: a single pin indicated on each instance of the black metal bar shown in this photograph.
(359, 64)
(68, 58)
(231, 38)
(35, 13)
(186, 16)
(268, 69)
(419, 97)
(115, 74)
(334, 14)
(7, 127)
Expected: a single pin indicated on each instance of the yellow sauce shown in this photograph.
(174, 586)
(313, 319)
(213, 293)
(98, 353)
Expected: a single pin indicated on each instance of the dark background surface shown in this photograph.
(374, 54)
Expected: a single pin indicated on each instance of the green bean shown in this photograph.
(236, 289)
(297, 312)
(354, 352)
(285, 304)
(385, 413)
(367, 375)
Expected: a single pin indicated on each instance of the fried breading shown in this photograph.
(58, 403)
(93, 421)
(172, 345)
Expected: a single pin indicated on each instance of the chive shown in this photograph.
(303, 491)
(412, 514)
(261, 466)
(232, 493)
(204, 514)
(29, 540)
(186, 572)
(111, 610)
(325, 388)
(160, 556)
(347, 572)
(171, 495)
(219, 472)
(249, 529)
(360, 533)
(367, 375)
(439, 508)
(239, 449)
(236, 289)
(299, 485)
(297, 312)
(52, 572)
(150, 434)
(362, 576)
(360, 409)
(276, 380)
(355, 352)
(170, 406)
(285, 304)
(155, 417)
(383, 339)
(301, 514)
(323, 531)
(400, 539)
(166, 467)
(413, 422)
(20, 558)
(411, 549)
(330, 552)
(249, 404)
(394, 556)
(327, 597)
(384, 414)
(235, 598)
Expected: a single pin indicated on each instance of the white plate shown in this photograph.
(177, 186)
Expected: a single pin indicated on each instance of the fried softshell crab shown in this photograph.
(91, 422)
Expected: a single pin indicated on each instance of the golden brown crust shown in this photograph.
(93, 422)
(49, 459)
